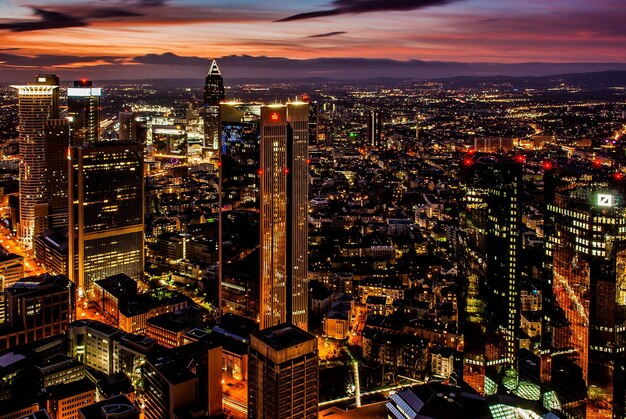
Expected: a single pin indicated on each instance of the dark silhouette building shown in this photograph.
(83, 111)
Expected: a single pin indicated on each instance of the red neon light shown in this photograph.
(274, 116)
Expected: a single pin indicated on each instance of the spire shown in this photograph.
(214, 69)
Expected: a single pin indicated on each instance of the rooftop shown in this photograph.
(283, 336)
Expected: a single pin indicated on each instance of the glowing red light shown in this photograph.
(260, 172)
(308, 161)
(597, 163)
(219, 164)
(467, 162)
(472, 151)
(286, 170)
(274, 116)
(618, 176)
(520, 159)
(547, 165)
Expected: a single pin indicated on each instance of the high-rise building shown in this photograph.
(491, 222)
(57, 143)
(213, 95)
(585, 304)
(239, 204)
(106, 218)
(37, 307)
(128, 127)
(284, 215)
(83, 111)
(283, 373)
(374, 129)
(37, 103)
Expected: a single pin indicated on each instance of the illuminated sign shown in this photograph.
(274, 116)
(41, 79)
(605, 200)
(84, 91)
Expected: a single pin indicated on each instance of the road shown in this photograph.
(10, 243)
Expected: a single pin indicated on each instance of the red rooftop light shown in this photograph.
(467, 162)
(520, 158)
(547, 165)
(618, 176)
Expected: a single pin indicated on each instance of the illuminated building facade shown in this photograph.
(374, 129)
(37, 307)
(283, 373)
(83, 111)
(213, 95)
(491, 223)
(106, 218)
(239, 204)
(585, 288)
(57, 142)
(284, 217)
(37, 103)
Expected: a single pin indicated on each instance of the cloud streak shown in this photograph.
(342, 7)
(48, 19)
(327, 34)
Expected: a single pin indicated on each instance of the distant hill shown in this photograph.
(590, 81)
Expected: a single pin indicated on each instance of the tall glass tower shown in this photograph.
(37, 103)
(83, 111)
(213, 95)
(284, 202)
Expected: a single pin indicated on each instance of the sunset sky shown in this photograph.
(175, 38)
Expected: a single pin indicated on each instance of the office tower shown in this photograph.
(186, 380)
(490, 223)
(37, 307)
(57, 143)
(118, 407)
(585, 284)
(239, 203)
(283, 373)
(374, 129)
(213, 95)
(36, 104)
(284, 217)
(106, 218)
(127, 131)
(83, 111)
(11, 271)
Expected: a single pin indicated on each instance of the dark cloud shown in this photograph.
(48, 60)
(341, 7)
(111, 12)
(48, 19)
(327, 34)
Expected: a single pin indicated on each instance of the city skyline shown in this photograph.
(117, 40)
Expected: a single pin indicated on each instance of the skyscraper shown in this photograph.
(283, 373)
(57, 143)
(213, 95)
(585, 308)
(83, 111)
(491, 223)
(37, 103)
(284, 216)
(106, 218)
(239, 204)
(374, 129)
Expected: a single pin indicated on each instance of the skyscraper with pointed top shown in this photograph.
(213, 95)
